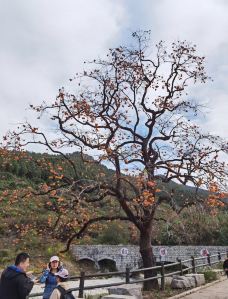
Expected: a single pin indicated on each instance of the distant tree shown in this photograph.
(132, 112)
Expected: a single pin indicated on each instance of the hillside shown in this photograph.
(30, 224)
(28, 171)
(25, 224)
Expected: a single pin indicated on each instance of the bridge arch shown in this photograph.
(87, 262)
(107, 264)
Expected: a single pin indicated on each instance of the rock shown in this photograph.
(199, 278)
(114, 296)
(127, 289)
(182, 282)
(168, 281)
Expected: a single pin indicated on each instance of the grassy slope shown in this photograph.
(16, 213)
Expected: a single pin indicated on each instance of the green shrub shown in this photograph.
(53, 250)
(114, 234)
(210, 275)
(4, 253)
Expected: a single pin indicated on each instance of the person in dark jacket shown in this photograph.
(48, 277)
(14, 283)
(225, 266)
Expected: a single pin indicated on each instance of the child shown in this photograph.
(61, 289)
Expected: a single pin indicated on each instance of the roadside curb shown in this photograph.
(197, 289)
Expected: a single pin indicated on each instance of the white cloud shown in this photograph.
(203, 23)
(44, 43)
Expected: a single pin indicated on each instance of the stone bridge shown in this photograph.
(122, 256)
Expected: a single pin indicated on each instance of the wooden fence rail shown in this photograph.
(208, 260)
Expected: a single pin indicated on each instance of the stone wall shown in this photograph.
(128, 255)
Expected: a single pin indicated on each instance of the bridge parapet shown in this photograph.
(129, 256)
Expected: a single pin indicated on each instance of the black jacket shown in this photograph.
(225, 264)
(14, 284)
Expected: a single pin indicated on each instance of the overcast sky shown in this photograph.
(44, 43)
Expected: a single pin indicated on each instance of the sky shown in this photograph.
(44, 43)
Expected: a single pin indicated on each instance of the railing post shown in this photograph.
(209, 259)
(193, 265)
(219, 256)
(181, 268)
(127, 274)
(162, 277)
(81, 285)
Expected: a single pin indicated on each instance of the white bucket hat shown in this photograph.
(63, 273)
(54, 258)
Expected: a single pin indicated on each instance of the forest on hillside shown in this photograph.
(25, 222)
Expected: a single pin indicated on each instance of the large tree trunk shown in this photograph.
(148, 259)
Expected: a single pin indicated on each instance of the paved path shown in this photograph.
(216, 291)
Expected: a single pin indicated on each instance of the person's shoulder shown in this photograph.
(10, 273)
